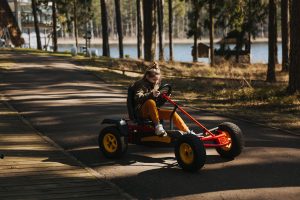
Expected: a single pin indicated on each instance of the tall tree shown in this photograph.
(276, 33)
(160, 17)
(75, 22)
(36, 24)
(271, 77)
(195, 29)
(149, 11)
(119, 27)
(170, 9)
(285, 34)
(139, 29)
(54, 26)
(211, 33)
(105, 34)
(294, 71)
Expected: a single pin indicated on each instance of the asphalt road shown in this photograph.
(67, 104)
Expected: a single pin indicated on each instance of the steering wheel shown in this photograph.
(164, 89)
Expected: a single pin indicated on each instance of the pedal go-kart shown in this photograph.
(190, 151)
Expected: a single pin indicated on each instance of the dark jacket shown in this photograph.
(142, 92)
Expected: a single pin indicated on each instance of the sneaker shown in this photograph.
(160, 131)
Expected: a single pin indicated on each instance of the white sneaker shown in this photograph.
(160, 131)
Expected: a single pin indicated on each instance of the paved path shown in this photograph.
(35, 168)
(67, 104)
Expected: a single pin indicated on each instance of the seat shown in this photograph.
(131, 111)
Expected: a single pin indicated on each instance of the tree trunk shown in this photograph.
(160, 16)
(276, 33)
(271, 77)
(105, 42)
(75, 23)
(285, 34)
(170, 8)
(36, 24)
(196, 18)
(149, 11)
(54, 26)
(119, 27)
(211, 33)
(139, 29)
(294, 71)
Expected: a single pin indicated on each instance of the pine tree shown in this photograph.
(285, 34)
(36, 24)
(105, 35)
(294, 72)
(271, 77)
(54, 26)
(170, 9)
(149, 11)
(139, 29)
(119, 27)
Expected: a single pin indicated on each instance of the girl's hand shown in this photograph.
(156, 93)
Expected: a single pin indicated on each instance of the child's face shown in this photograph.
(153, 77)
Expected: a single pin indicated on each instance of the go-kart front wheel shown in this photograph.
(111, 143)
(190, 153)
(235, 138)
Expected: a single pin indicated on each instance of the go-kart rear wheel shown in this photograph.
(111, 143)
(190, 153)
(235, 137)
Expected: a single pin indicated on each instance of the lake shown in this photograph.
(182, 52)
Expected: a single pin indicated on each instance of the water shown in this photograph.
(182, 52)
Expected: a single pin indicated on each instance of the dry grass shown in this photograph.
(262, 102)
(242, 98)
(189, 70)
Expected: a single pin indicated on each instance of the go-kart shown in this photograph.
(190, 151)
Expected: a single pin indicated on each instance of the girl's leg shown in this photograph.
(179, 123)
(149, 110)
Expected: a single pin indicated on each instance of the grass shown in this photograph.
(237, 91)
(189, 70)
(251, 100)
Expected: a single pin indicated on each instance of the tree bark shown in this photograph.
(149, 11)
(294, 71)
(54, 26)
(271, 77)
(196, 18)
(160, 16)
(211, 33)
(139, 29)
(285, 34)
(36, 24)
(119, 27)
(104, 21)
(276, 33)
(170, 8)
(75, 23)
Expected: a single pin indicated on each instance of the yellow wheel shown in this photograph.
(235, 138)
(111, 143)
(186, 153)
(190, 152)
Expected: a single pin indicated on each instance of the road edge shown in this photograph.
(100, 177)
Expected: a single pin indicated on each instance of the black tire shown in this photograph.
(237, 141)
(121, 142)
(198, 149)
